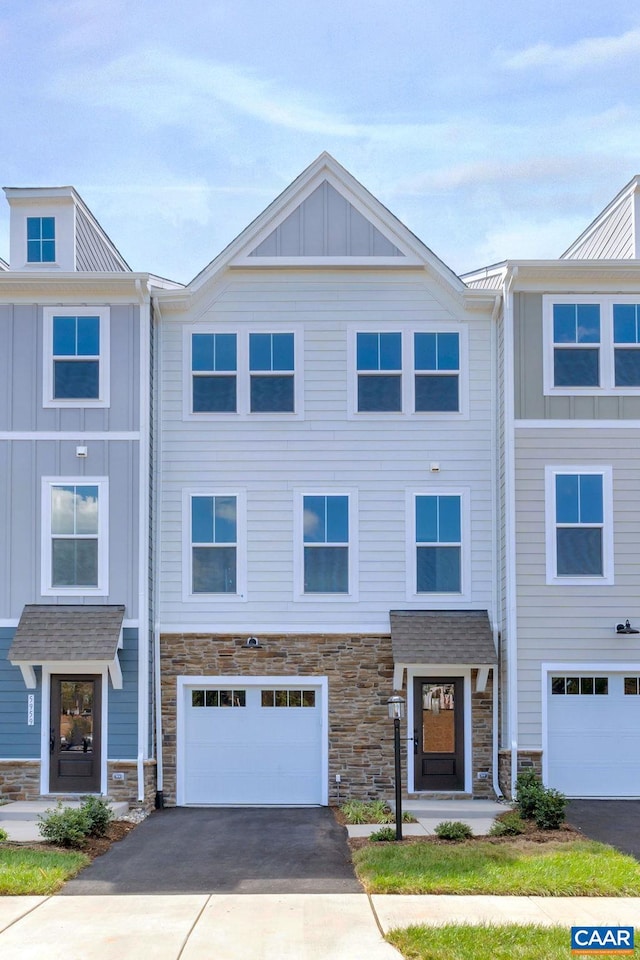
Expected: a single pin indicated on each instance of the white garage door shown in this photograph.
(249, 743)
(594, 734)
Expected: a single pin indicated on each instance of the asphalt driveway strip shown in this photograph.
(616, 822)
(225, 850)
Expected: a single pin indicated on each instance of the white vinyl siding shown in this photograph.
(326, 450)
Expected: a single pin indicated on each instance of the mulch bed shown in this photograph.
(92, 846)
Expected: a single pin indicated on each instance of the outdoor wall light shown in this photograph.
(395, 706)
(253, 643)
(625, 628)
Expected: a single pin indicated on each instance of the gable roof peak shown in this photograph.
(615, 233)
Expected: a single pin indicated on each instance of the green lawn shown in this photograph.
(25, 871)
(566, 869)
(465, 942)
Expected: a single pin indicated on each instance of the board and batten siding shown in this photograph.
(530, 401)
(123, 704)
(380, 458)
(572, 623)
(23, 463)
(19, 741)
(21, 373)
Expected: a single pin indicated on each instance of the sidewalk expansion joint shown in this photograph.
(23, 915)
(193, 926)
(375, 916)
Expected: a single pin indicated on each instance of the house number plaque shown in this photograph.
(31, 709)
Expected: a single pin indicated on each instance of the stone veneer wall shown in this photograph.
(482, 738)
(527, 760)
(127, 789)
(359, 669)
(19, 779)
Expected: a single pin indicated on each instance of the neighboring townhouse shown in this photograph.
(75, 407)
(570, 469)
(327, 507)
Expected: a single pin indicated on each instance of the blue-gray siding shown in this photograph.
(123, 704)
(18, 741)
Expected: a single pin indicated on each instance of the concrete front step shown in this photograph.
(32, 809)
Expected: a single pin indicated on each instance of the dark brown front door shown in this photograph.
(74, 742)
(438, 733)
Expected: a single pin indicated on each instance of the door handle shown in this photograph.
(52, 740)
(415, 741)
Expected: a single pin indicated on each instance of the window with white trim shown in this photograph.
(76, 357)
(437, 372)
(438, 533)
(592, 345)
(579, 525)
(74, 536)
(214, 544)
(247, 373)
(325, 552)
(379, 366)
(41, 239)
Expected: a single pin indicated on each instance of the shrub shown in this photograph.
(550, 808)
(528, 790)
(384, 833)
(3, 835)
(507, 825)
(372, 811)
(65, 826)
(453, 830)
(100, 814)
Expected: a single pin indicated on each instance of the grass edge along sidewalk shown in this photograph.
(25, 871)
(503, 867)
(481, 942)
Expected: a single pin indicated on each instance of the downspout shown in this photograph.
(143, 536)
(155, 553)
(494, 510)
(509, 361)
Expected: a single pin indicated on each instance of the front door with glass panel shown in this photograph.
(74, 736)
(438, 733)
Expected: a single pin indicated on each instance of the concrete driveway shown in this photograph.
(225, 850)
(616, 822)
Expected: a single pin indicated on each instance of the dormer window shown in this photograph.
(41, 239)
(76, 357)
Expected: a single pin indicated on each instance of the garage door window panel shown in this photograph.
(218, 698)
(579, 686)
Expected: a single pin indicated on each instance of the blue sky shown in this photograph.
(492, 129)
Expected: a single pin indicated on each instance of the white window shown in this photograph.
(325, 557)
(417, 369)
(214, 554)
(245, 373)
(591, 345)
(76, 357)
(75, 536)
(579, 525)
(438, 543)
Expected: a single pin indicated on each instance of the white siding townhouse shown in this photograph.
(237, 516)
(570, 428)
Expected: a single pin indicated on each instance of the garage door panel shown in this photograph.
(250, 753)
(593, 747)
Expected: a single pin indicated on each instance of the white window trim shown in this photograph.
(240, 596)
(46, 589)
(243, 378)
(607, 578)
(607, 348)
(104, 393)
(465, 548)
(326, 490)
(408, 370)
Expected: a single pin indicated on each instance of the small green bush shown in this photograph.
(528, 790)
(507, 825)
(453, 830)
(65, 826)
(550, 808)
(100, 814)
(3, 835)
(367, 811)
(383, 834)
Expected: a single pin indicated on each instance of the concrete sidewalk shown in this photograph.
(264, 926)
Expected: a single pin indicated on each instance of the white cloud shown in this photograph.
(586, 53)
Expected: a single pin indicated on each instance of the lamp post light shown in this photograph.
(395, 705)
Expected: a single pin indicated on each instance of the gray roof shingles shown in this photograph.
(442, 636)
(67, 632)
